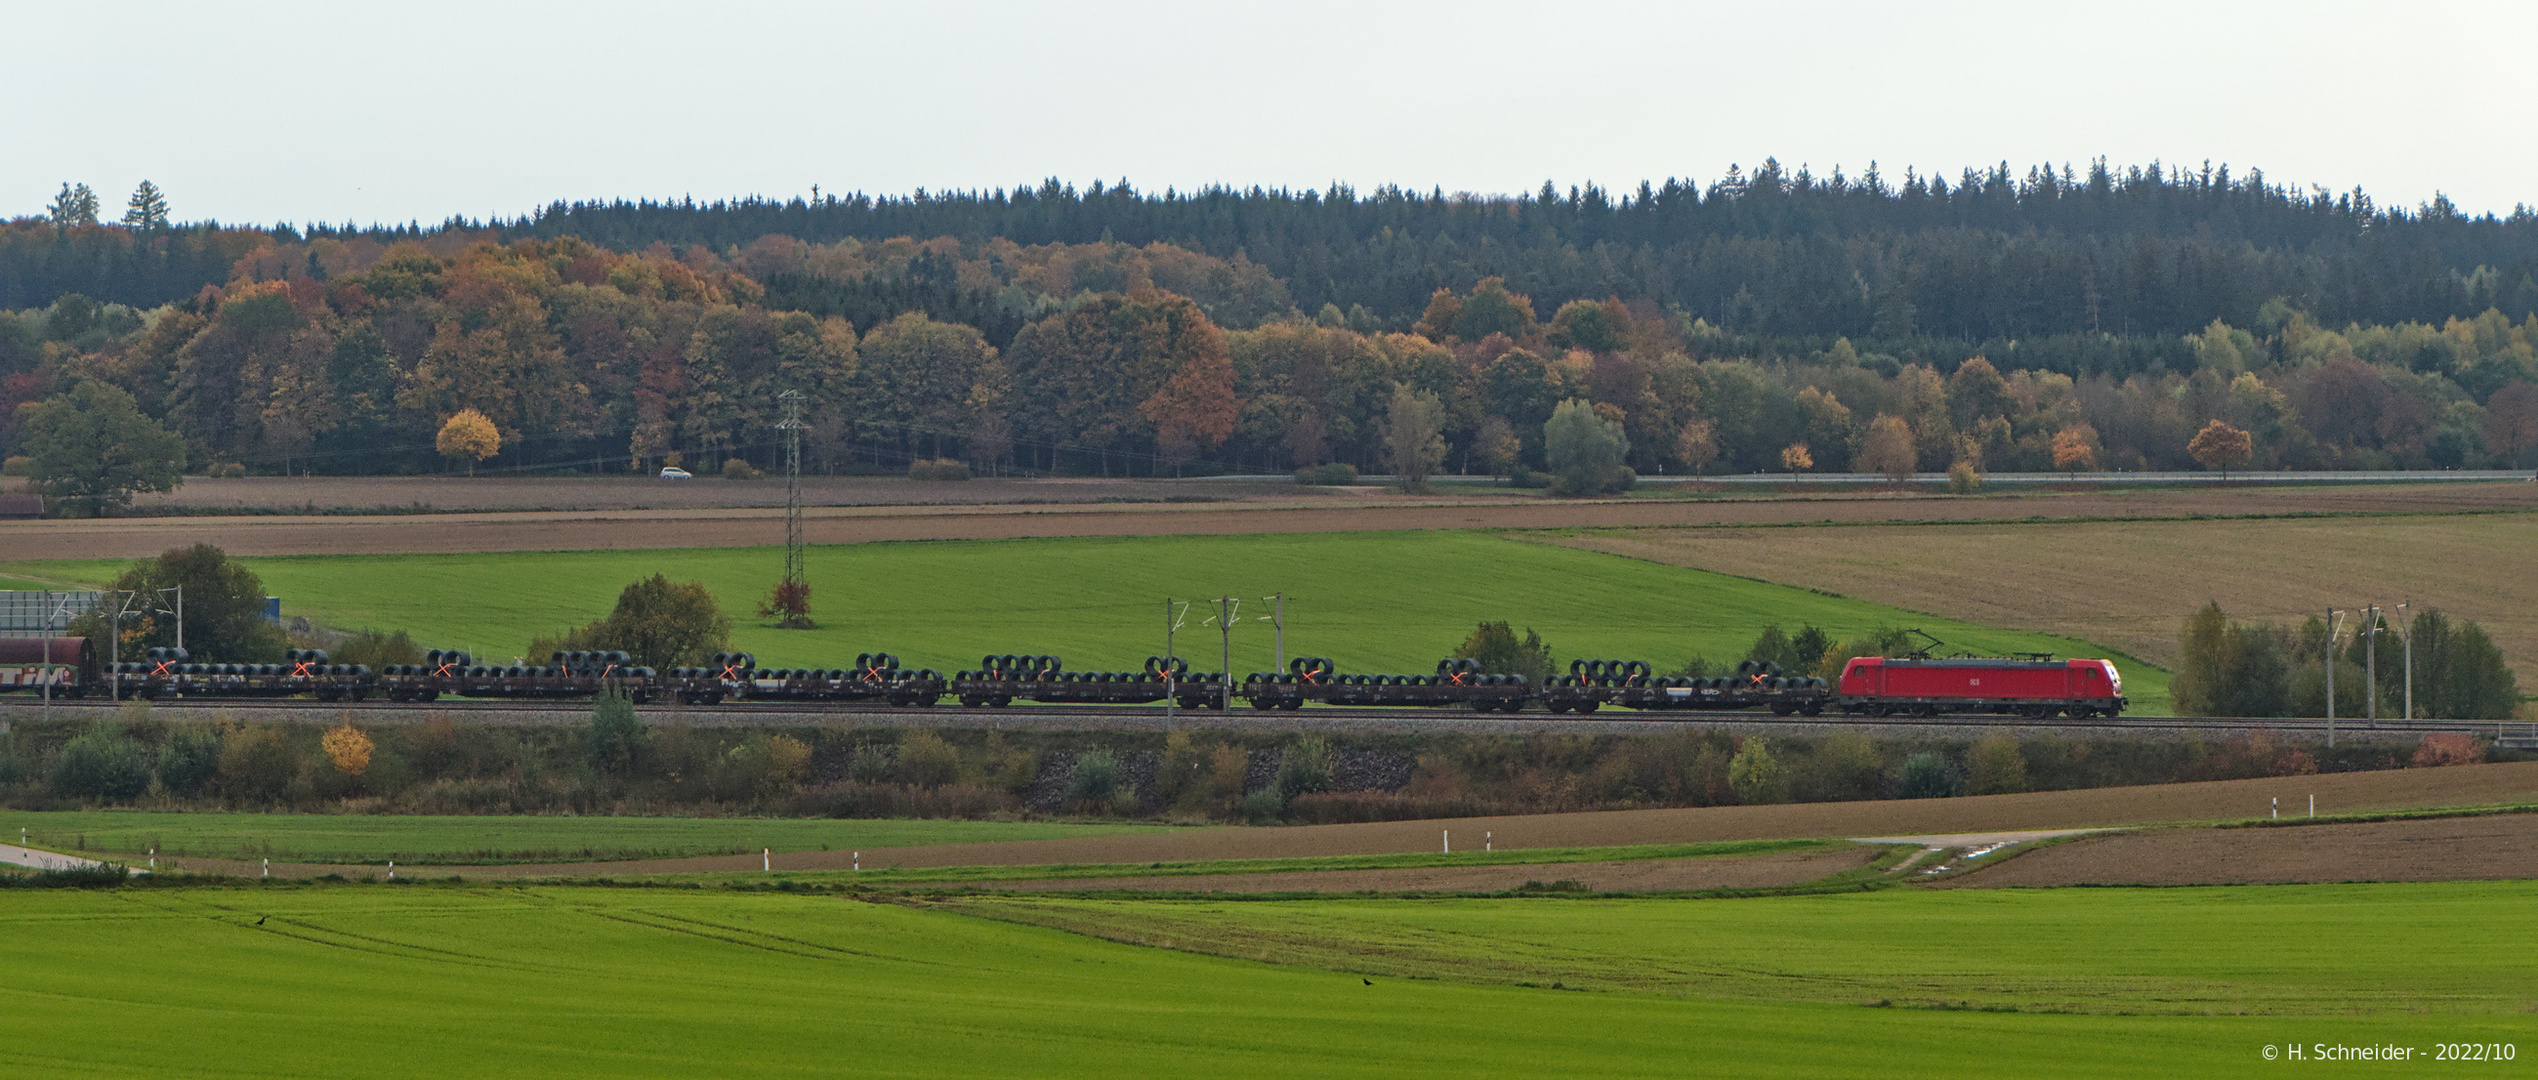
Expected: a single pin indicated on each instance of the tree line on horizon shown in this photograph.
(2146, 250)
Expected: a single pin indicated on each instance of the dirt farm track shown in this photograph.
(871, 510)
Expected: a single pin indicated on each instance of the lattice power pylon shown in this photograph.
(792, 428)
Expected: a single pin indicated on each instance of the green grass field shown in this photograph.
(475, 981)
(1375, 602)
(422, 840)
(2358, 949)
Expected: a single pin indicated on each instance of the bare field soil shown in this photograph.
(2131, 584)
(2441, 849)
(408, 494)
(1643, 875)
(1268, 508)
(2219, 800)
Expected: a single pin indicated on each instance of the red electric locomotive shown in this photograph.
(1875, 686)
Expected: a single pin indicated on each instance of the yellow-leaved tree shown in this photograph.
(348, 749)
(469, 435)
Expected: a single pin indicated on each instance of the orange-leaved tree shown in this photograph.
(2075, 448)
(1795, 458)
(2219, 446)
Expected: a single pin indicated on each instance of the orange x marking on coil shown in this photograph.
(162, 668)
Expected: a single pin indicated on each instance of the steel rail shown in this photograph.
(951, 714)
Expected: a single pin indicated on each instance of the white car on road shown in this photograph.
(674, 473)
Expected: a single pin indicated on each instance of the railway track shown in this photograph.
(1060, 717)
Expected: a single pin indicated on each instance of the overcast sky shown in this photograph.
(266, 112)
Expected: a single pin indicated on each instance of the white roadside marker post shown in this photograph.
(2277, 808)
(1489, 842)
(2313, 804)
(766, 859)
(859, 862)
(268, 868)
(1448, 837)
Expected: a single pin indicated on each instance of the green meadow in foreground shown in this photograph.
(2317, 949)
(1374, 602)
(461, 981)
(426, 840)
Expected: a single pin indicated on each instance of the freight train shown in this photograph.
(2031, 686)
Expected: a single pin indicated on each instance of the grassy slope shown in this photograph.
(420, 981)
(373, 838)
(2280, 949)
(1373, 601)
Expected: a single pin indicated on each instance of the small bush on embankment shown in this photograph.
(443, 766)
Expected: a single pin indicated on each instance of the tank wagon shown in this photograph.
(1913, 686)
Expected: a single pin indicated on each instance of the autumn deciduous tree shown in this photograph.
(1196, 407)
(658, 622)
(1795, 458)
(2219, 446)
(1414, 441)
(1889, 448)
(1496, 445)
(2511, 422)
(2075, 448)
(789, 605)
(1696, 445)
(469, 436)
(224, 608)
(1084, 378)
(347, 749)
(91, 449)
(1501, 652)
(1585, 450)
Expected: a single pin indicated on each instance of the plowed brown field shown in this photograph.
(2438, 849)
(2130, 584)
(1269, 508)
